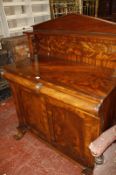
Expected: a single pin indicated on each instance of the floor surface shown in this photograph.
(28, 156)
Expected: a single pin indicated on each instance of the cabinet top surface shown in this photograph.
(79, 23)
(94, 82)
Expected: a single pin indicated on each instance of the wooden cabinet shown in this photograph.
(67, 117)
(66, 128)
(63, 7)
(109, 12)
(67, 94)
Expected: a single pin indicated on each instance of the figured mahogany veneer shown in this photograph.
(67, 96)
(76, 38)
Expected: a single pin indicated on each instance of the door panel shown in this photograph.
(35, 113)
(73, 132)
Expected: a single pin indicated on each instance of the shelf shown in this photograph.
(39, 2)
(10, 4)
(40, 14)
(17, 29)
(60, 13)
(63, 3)
(19, 16)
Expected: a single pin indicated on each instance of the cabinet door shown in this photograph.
(72, 132)
(35, 114)
(68, 132)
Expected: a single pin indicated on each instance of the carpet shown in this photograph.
(28, 156)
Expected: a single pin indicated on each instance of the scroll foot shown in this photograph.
(21, 132)
(87, 171)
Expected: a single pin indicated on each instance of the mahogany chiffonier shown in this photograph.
(67, 95)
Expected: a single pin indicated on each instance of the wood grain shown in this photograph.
(67, 95)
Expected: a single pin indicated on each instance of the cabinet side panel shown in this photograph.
(108, 111)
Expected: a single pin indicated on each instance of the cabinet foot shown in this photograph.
(21, 130)
(87, 171)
